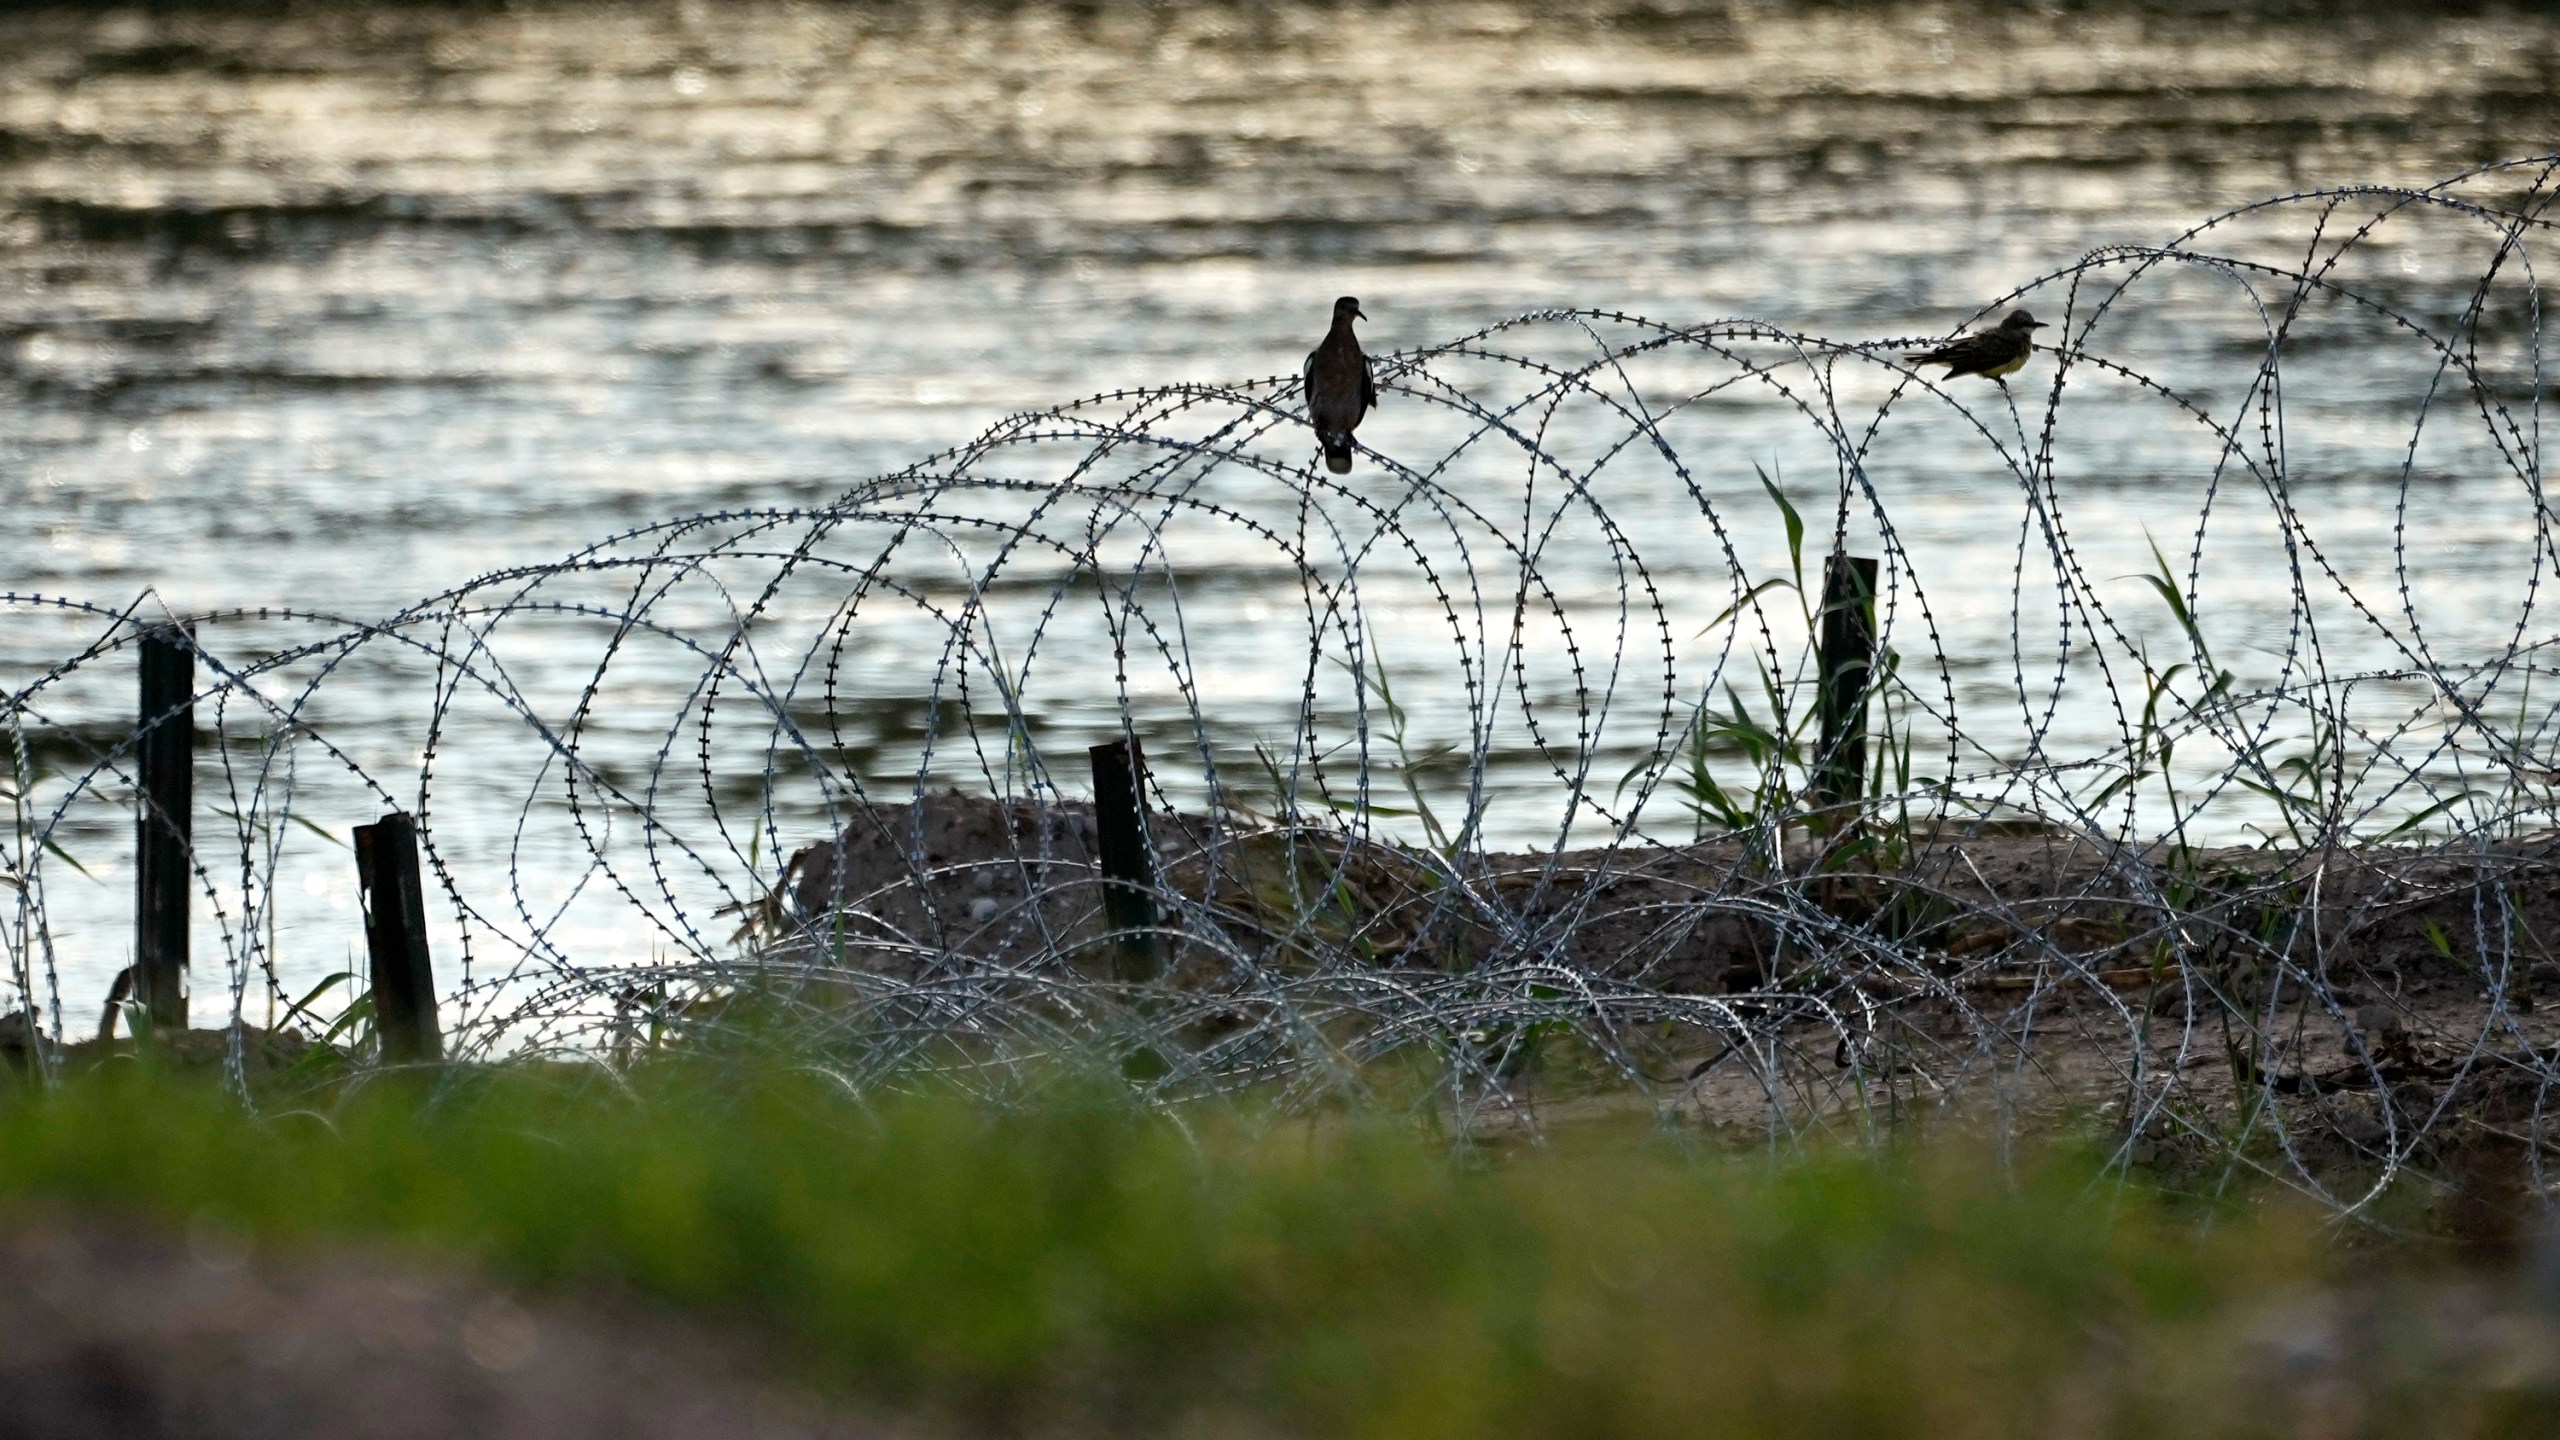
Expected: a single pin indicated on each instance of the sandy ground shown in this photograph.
(122, 1332)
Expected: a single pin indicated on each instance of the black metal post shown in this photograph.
(164, 823)
(1128, 868)
(395, 935)
(1846, 652)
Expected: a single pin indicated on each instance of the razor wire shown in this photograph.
(1482, 777)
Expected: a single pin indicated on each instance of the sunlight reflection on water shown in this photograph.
(340, 310)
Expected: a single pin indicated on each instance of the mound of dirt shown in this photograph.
(266, 1056)
(956, 879)
(2382, 1000)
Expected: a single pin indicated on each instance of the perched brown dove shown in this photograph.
(1339, 390)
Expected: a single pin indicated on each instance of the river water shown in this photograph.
(341, 309)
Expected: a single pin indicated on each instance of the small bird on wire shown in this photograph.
(1339, 390)
(1990, 353)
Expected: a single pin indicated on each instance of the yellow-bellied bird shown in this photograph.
(1339, 390)
(1991, 353)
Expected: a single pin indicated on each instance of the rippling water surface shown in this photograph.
(339, 310)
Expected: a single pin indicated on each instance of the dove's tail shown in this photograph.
(1337, 453)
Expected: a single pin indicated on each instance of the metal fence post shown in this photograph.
(165, 776)
(1846, 653)
(1128, 869)
(395, 935)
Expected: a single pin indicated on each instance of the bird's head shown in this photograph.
(1348, 308)
(2021, 322)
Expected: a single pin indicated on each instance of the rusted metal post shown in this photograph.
(1846, 652)
(164, 823)
(395, 934)
(1128, 868)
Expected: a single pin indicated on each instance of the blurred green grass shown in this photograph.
(1076, 1267)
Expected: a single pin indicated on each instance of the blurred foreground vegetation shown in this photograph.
(1075, 1267)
